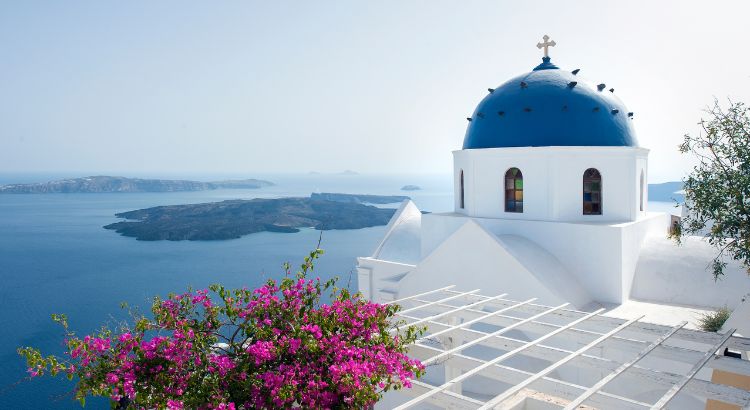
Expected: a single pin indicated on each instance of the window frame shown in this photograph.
(595, 199)
(643, 183)
(462, 197)
(514, 204)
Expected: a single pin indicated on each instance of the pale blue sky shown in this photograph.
(379, 87)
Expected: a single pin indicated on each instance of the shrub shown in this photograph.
(277, 346)
(713, 321)
(717, 191)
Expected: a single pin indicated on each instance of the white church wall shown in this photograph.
(590, 252)
(671, 274)
(553, 181)
(401, 242)
(739, 319)
(436, 227)
(641, 168)
(378, 279)
(546, 268)
(633, 237)
(462, 165)
(473, 259)
(593, 253)
(490, 167)
(616, 166)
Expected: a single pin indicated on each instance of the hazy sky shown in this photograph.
(379, 87)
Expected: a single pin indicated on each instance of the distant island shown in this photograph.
(666, 192)
(358, 199)
(235, 218)
(410, 188)
(108, 184)
(344, 172)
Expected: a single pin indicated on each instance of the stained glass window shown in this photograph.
(461, 183)
(592, 192)
(514, 190)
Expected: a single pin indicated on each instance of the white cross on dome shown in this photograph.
(546, 45)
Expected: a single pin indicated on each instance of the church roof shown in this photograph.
(402, 239)
(550, 107)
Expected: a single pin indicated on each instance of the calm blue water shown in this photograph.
(56, 258)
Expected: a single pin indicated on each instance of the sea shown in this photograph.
(55, 257)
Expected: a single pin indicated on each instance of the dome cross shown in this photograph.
(546, 44)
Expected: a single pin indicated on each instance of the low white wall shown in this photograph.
(633, 238)
(378, 279)
(674, 274)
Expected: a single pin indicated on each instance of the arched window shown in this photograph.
(461, 188)
(514, 190)
(592, 192)
(642, 186)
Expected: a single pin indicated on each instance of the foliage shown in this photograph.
(277, 346)
(713, 321)
(717, 191)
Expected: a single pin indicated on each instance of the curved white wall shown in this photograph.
(671, 274)
(553, 182)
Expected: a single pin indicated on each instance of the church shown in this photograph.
(551, 202)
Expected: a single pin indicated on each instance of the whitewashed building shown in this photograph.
(551, 204)
(551, 201)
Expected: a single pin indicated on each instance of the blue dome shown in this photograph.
(550, 107)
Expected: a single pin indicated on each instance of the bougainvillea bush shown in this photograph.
(278, 346)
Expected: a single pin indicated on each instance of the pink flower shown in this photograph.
(222, 364)
(261, 351)
(175, 405)
(112, 378)
(294, 345)
(314, 330)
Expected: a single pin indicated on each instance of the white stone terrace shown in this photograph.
(490, 352)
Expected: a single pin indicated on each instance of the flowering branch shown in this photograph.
(277, 346)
